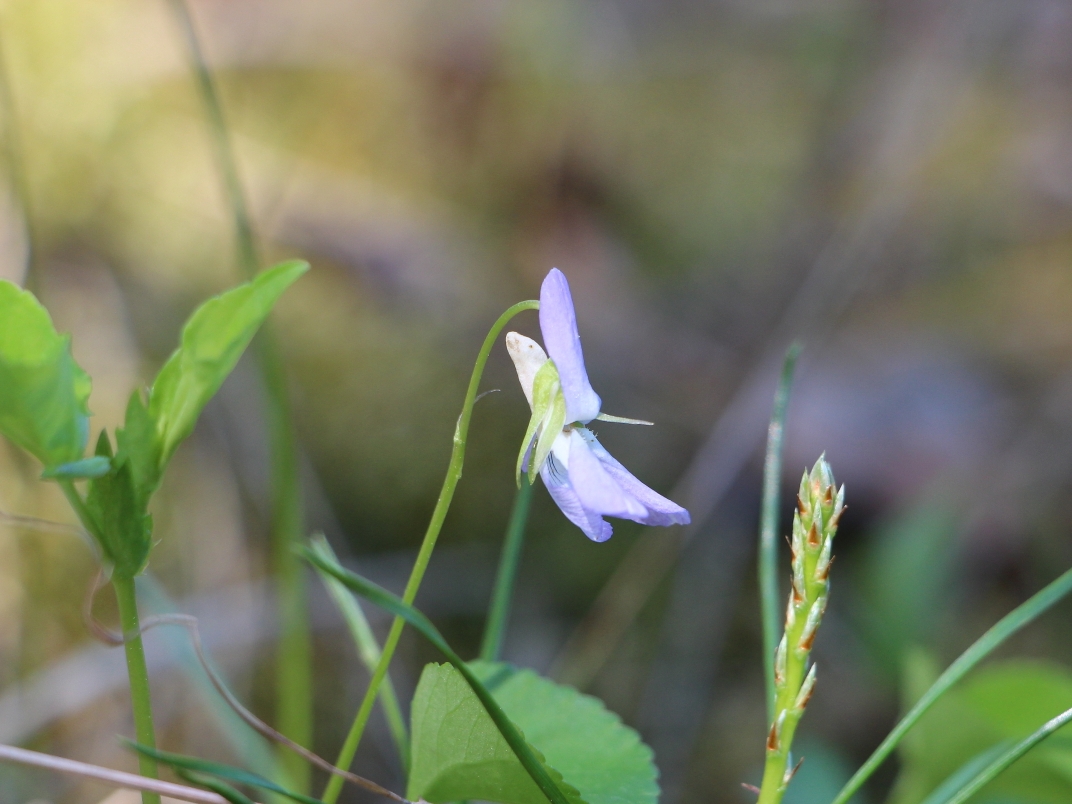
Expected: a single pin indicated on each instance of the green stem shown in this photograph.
(446, 494)
(983, 647)
(139, 678)
(769, 596)
(127, 601)
(294, 701)
(499, 611)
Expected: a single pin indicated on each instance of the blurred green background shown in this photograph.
(889, 182)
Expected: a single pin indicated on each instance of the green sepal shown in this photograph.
(212, 341)
(606, 417)
(44, 393)
(548, 418)
(79, 470)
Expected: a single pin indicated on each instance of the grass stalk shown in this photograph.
(424, 555)
(126, 598)
(499, 611)
(769, 594)
(294, 696)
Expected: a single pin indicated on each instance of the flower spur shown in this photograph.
(583, 478)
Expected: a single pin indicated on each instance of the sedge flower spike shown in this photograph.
(580, 475)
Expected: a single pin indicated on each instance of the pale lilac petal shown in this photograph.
(659, 510)
(558, 323)
(595, 488)
(558, 486)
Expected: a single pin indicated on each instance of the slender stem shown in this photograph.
(499, 612)
(769, 595)
(9, 753)
(294, 659)
(446, 494)
(140, 699)
(1008, 625)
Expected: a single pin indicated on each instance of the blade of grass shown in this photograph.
(368, 649)
(424, 555)
(769, 595)
(499, 611)
(998, 633)
(397, 606)
(1007, 758)
(294, 694)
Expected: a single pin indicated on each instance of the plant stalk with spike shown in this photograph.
(819, 507)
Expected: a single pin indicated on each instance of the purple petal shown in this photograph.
(659, 510)
(558, 323)
(595, 488)
(558, 486)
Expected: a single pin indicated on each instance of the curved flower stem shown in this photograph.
(294, 695)
(499, 612)
(446, 494)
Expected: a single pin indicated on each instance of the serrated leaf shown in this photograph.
(43, 391)
(212, 341)
(458, 753)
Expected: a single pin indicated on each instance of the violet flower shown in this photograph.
(581, 476)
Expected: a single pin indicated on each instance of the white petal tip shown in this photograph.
(528, 356)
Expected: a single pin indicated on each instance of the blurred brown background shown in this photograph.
(889, 182)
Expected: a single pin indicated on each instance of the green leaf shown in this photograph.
(458, 753)
(212, 341)
(76, 470)
(118, 518)
(43, 392)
